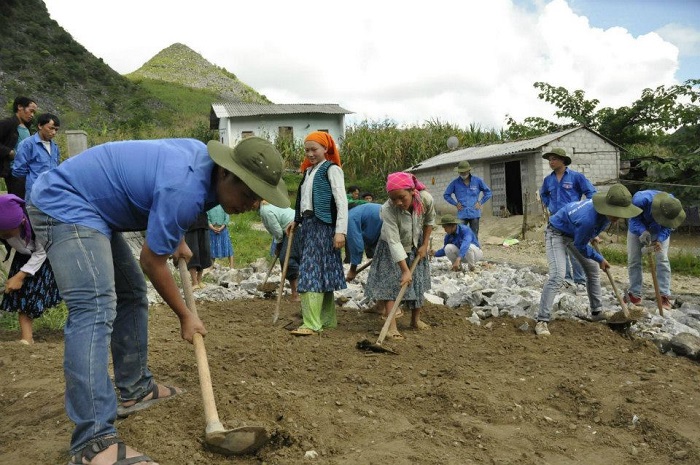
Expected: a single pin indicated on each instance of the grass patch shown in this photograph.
(684, 263)
(53, 319)
(249, 243)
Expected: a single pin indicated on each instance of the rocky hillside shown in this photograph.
(179, 64)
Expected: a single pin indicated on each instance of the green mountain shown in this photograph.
(179, 64)
(172, 93)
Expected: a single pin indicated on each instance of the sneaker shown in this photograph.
(666, 302)
(541, 329)
(631, 299)
(581, 289)
(601, 316)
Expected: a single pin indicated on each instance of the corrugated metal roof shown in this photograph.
(491, 151)
(227, 110)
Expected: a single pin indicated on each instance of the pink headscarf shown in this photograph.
(11, 214)
(403, 180)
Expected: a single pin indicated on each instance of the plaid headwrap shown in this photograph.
(327, 141)
(403, 180)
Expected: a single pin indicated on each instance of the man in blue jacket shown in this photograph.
(460, 244)
(572, 228)
(463, 192)
(661, 212)
(564, 185)
(364, 228)
(37, 153)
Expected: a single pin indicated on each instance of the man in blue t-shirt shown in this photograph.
(80, 210)
(571, 229)
(463, 192)
(661, 213)
(562, 186)
(460, 244)
(364, 228)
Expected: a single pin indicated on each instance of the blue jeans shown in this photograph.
(105, 291)
(557, 246)
(578, 276)
(634, 266)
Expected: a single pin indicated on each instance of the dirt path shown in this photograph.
(456, 394)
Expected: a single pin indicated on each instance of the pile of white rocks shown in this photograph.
(494, 289)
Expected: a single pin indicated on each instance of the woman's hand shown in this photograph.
(406, 277)
(15, 283)
(339, 240)
(290, 228)
(422, 251)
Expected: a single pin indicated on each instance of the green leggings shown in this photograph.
(318, 310)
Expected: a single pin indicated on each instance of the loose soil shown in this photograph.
(455, 394)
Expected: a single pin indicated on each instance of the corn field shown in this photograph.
(371, 150)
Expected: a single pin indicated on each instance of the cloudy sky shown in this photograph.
(465, 62)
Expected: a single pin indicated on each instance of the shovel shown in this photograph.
(377, 346)
(290, 238)
(652, 263)
(238, 441)
(264, 287)
(617, 318)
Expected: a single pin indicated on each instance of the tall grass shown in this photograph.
(682, 262)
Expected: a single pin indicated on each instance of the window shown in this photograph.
(245, 134)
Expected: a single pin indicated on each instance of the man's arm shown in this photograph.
(448, 194)
(156, 268)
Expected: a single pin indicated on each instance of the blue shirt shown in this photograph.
(467, 195)
(159, 186)
(557, 193)
(644, 221)
(580, 221)
(364, 228)
(462, 238)
(32, 159)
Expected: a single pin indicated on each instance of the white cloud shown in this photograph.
(686, 38)
(463, 62)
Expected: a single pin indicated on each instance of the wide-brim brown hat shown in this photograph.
(561, 153)
(257, 163)
(448, 219)
(616, 202)
(667, 210)
(463, 167)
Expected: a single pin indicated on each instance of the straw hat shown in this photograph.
(463, 167)
(257, 163)
(561, 153)
(616, 202)
(667, 210)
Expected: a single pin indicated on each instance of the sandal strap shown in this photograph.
(132, 460)
(95, 447)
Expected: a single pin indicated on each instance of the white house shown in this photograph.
(235, 121)
(514, 170)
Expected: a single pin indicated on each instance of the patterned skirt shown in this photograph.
(38, 292)
(384, 279)
(321, 267)
(221, 246)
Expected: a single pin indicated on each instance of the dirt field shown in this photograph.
(455, 394)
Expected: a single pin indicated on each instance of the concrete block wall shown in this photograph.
(591, 155)
(437, 180)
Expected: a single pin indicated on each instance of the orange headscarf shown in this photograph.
(327, 141)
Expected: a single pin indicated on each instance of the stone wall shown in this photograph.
(591, 155)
